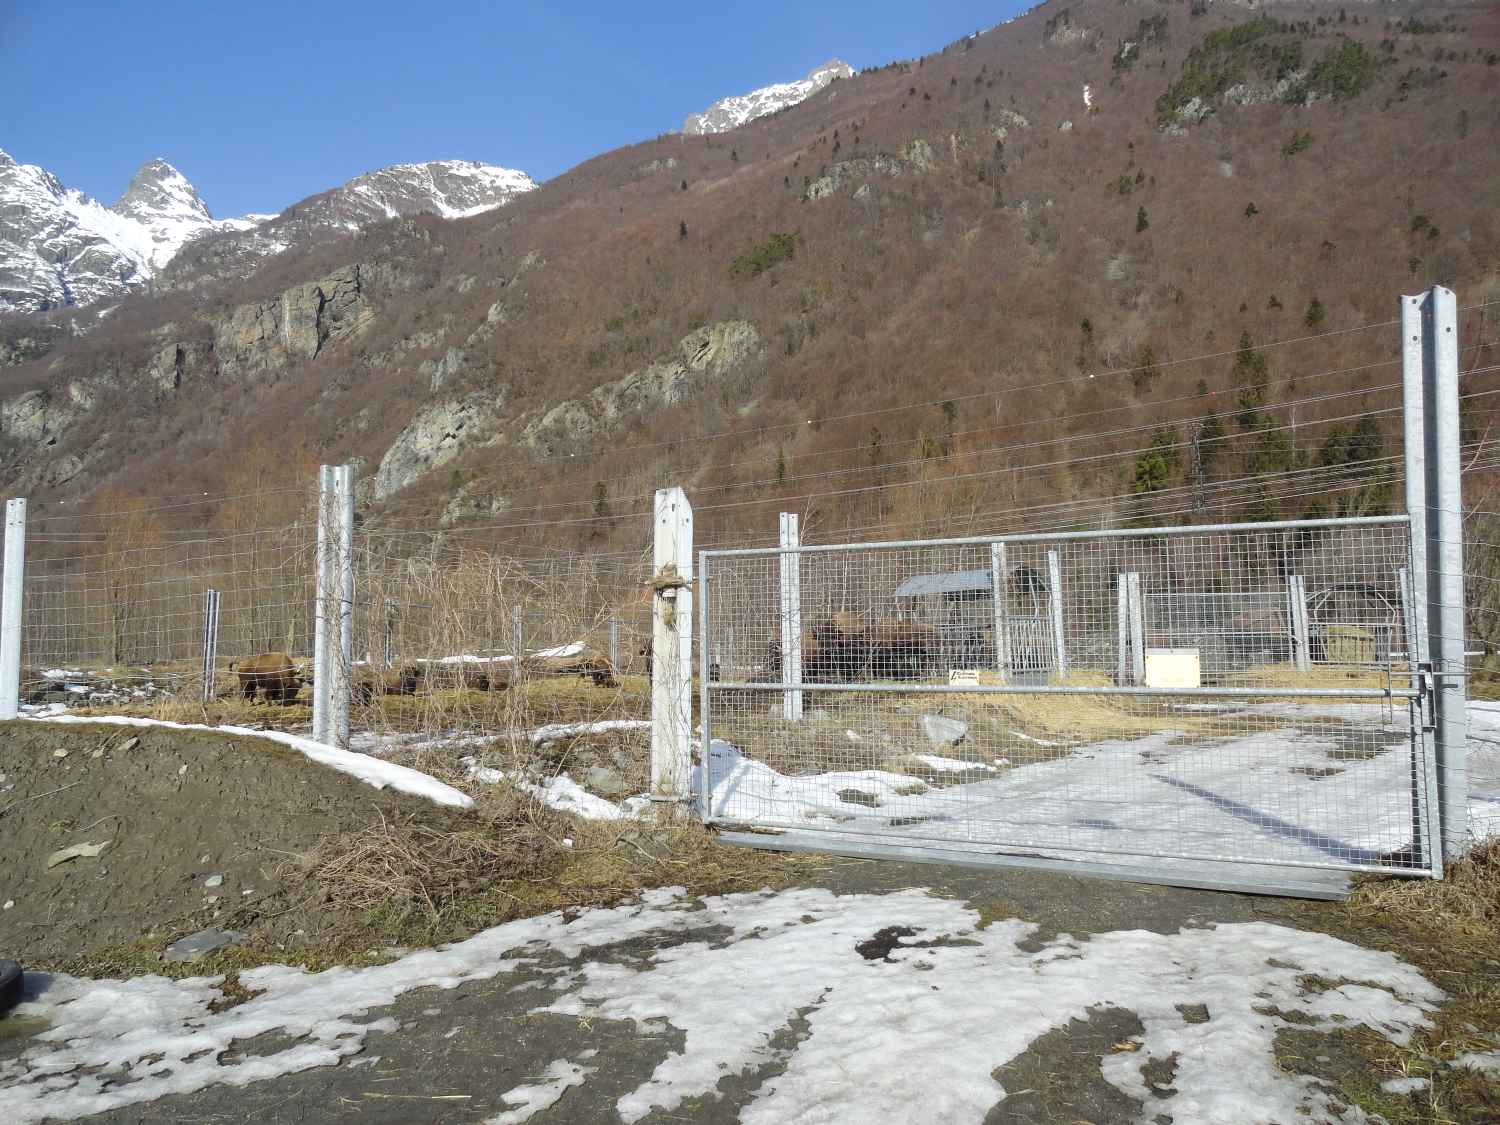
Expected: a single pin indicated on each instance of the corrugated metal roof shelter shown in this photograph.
(958, 582)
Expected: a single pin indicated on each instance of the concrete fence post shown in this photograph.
(1123, 664)
(1135, 606)
(1000, 595)
(343, 677)
(11, 609)
(210, 642)
(672, 649)
(791, 617)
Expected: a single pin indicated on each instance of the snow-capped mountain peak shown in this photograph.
(452, 189)
(732, 112)
(59, 247)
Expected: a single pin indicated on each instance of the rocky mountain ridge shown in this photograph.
(61, 248)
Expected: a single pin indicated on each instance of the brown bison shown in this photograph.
(272, 674)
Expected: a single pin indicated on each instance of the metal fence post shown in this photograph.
(791, 617)
(1445, 565)
(517, 645)
(1135, 604)
(11, 608)
(1296, 593)
(1055, 605)
(672, 648)
(614, 642)
(341, 688)
(1002, 607)
(322, 649)
(390, 633)
(210, 641)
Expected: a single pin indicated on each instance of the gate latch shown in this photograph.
(1426, 693)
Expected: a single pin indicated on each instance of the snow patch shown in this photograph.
(372, 771)
(955, 1002)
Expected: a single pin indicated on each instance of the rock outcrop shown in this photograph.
(262, 337)
(704, 354)
(438, 434)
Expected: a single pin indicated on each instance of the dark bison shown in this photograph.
(566, 661)
(843, 649)
(406, 680)
(272, 674)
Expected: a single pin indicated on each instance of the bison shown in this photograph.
(272, 674)
(405, 680)
(843, 649)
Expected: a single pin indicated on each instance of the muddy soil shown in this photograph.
(200, 829)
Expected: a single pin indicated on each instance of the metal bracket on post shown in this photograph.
(791, 618)
(672, 648)
(1000, 595)
(11, 608)
(1055, 605)
(210, 642)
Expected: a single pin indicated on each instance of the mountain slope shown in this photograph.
(959, 291)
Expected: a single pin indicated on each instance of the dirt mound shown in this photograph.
(196, 826)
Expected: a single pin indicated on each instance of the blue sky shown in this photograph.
(261, 104)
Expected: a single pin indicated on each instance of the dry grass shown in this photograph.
(412, 881)
(1465, 902)
(1450, 929)
(1320, 676)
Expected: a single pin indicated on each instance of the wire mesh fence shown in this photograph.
(117, 612)
(1227, 694)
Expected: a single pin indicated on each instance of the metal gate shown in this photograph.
(1166, 709)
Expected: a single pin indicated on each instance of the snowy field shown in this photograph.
(950, 1003)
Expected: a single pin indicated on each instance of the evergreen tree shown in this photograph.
(1251, 378)
(1141, 222)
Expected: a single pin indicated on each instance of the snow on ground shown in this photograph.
(951, 1004)
(370, 770)
(554, 732)
(560, 1077)
(950, 765)
(1305, 791)
(561, 792)
(1484, 769)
